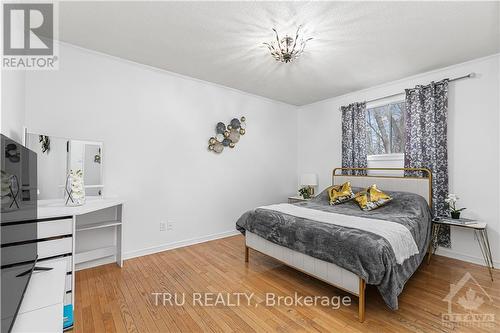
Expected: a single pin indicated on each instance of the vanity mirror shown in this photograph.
(56, 156)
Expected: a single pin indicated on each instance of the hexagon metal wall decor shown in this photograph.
(227, 135)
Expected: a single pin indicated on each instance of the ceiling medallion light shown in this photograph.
(287, 48)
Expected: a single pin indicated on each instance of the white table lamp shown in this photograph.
(310, 180)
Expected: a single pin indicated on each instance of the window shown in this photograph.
(386, 129)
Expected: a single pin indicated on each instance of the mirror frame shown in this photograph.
(27, 132)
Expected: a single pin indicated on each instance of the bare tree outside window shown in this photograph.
(385, 130)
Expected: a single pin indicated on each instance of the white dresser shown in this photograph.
(70, 238)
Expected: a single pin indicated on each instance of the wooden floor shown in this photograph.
(110, 299)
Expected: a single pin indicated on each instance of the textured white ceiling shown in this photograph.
(356, 44)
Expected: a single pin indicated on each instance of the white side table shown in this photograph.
(480, 233)
(298, 198)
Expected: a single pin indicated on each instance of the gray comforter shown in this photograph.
(367, 255)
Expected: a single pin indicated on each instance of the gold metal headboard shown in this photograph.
(425, 171)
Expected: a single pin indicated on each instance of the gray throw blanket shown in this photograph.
(367, 255)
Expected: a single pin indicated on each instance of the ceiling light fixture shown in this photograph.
(287, 48)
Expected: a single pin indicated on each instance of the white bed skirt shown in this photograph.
(325, 271)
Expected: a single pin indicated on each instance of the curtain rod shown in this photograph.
(468, 76)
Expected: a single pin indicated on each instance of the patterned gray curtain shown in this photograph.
(354, 137)
(426, 142)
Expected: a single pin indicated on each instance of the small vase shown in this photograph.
(455, 215)
(75, 190)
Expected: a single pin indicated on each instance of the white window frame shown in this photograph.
(386, 157)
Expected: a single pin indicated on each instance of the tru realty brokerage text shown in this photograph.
(234, 299)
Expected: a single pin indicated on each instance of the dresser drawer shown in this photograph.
(68, 259)
(55, 247)
(45, 249)
(52, 228)
(69, 282)
(46, 319)
(22, 232)
(68, 298)
(18, 253)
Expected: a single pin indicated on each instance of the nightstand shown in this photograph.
(480, 232)
(297, 198)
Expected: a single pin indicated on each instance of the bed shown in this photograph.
(345, 246)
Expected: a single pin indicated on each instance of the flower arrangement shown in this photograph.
(75, 189)
(451, 201)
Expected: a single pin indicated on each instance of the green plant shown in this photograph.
(451, 202)
(305, 192)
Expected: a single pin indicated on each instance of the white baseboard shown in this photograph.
(175, 245)
(464, 257)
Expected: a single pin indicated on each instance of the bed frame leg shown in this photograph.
(361, 304)
(246, 253)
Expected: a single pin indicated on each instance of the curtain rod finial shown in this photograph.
(471, 75)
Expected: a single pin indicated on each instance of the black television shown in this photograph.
(18, 226)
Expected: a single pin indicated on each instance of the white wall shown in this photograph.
(473, 144)
(13, 100)
(155, 127)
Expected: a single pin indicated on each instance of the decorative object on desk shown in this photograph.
(74, 189)
(227, 136)
(305, 192)
(308, 181)
(5, 182)
(45, 143)
(451, 202)
(10, 191)
(97, 157)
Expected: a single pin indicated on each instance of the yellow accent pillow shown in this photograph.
(340, 193)
(371, 198)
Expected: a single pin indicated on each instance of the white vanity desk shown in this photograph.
(84, 236)
(97, 213)
(68, 239)
(75, 237)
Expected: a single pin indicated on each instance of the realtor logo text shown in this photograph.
(28, 36)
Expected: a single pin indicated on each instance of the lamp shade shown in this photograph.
(310, 179)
